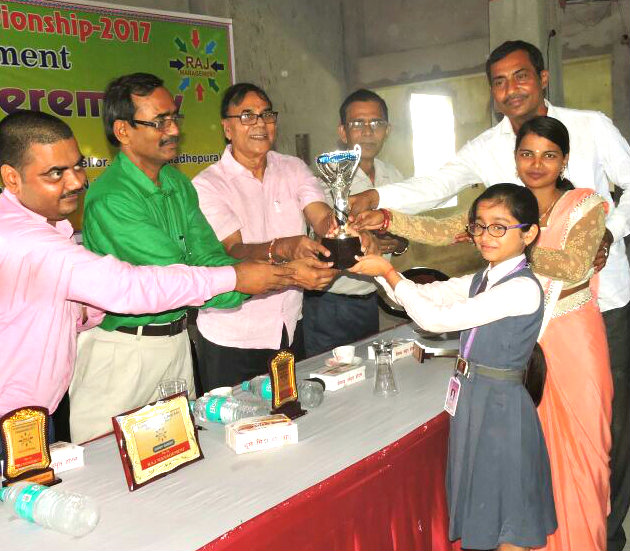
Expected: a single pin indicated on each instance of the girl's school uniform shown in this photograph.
(498, 477)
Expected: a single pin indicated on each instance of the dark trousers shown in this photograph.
(227, 366)
(618, 332)
(332, 320)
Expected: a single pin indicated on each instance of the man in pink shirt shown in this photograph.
(46, 277)
(259, 202)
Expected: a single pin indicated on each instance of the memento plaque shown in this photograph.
(156, 439)
(284, 395)
(25, 441)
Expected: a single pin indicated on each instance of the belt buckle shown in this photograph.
(461, 366)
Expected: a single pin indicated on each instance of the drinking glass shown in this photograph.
(384, 381)
(168, 387)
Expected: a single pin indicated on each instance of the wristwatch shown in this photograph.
(404, 243)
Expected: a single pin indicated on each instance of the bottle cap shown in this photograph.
(317, 380)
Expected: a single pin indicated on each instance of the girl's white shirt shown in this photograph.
(445, 305)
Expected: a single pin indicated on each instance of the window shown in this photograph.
(433, 129)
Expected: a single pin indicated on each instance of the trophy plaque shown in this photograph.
(284, 395)
(337, 169)
(25, 441)
(156, 439)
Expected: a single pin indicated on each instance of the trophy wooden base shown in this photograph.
(342, 251)
(45, 477)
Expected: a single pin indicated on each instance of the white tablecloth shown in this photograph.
(202, 501)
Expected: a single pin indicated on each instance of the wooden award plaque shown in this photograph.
(25, 440)
(284, 395)
(156, 439)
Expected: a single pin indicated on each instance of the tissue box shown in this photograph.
(402, 349)
(65, 456)
(260, 433)
(338, 377)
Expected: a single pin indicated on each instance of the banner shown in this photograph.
(58, 57)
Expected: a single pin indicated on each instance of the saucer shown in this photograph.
(332, 362)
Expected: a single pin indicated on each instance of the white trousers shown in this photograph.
(115, 372)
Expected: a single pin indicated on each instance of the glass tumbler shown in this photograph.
(168, 387)
(384, 381)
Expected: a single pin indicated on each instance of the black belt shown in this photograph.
(167, 330)
(467, 368)
(321, 293)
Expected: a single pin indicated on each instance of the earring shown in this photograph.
(564, 167)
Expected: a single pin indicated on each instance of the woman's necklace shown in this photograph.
(553, 204)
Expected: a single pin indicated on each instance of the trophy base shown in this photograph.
(342, 251)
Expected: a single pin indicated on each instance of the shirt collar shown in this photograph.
(62, 226)
(502, 269)
(141, 180)
(234, 167)
(378, 169)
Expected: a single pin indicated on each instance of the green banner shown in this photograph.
(58, 57)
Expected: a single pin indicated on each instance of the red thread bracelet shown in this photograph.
(392, 269)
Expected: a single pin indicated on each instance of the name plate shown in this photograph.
(25, 440)
(156, 439)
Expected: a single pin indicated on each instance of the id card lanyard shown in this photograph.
(454, 385)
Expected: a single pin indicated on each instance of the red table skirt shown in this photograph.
(392, 499)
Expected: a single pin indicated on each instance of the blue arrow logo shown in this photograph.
(184, 84)
(210, 46)
(176, 64)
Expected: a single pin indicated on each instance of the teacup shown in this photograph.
(344, 354)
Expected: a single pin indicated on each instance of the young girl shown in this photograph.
(498, 478)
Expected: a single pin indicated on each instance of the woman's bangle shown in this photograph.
(387, 218)
(270, 251)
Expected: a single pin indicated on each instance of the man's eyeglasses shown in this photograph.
(162, 123)
(495, 230)
(374, 124)
(250, 119)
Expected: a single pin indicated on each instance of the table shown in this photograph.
(367, 474)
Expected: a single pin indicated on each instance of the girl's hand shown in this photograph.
(369, 220)
(371, 265)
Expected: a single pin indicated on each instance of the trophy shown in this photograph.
(337, 169)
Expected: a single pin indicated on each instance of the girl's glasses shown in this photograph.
(495, 230)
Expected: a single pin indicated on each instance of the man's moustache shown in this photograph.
(76, 191)
(167, 141)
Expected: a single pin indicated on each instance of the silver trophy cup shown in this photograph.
(337, 169)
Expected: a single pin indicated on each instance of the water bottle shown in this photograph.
(66, 512)
(259, 386)
(310, 391)
(225, 409)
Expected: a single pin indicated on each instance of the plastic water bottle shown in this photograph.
(259, 386)
(225, 409)
(310, 391)
(66, 512)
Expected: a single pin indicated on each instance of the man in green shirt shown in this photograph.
(144, 211)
